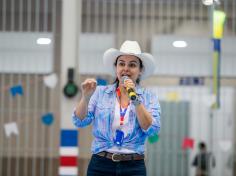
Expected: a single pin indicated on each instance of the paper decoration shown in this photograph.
(216, 72)
(218, 27)
(173, 96)
(218, 23)
(101, 81)
(225, 145)
(209, 100)
(16, 90)
(154, 138)
(11, 128)
(50, 80)
(69, 151)
(47, 119)
(187, 143)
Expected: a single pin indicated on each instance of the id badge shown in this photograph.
(119, 137)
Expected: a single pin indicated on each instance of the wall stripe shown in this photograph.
(69, 151)
(68, 161)
(68, 171)
(69, 138)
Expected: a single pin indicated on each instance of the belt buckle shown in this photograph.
(113, 155)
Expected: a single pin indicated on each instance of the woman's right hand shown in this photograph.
(88, 87)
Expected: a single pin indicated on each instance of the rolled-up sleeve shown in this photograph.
(154, 109)
(90, 114)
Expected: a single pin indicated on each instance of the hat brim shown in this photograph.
(112, 54)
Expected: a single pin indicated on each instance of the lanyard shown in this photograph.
(122, 112)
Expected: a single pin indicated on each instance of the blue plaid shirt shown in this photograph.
(101, 111)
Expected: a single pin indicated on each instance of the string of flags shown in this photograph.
(47, 119)
(189, 143)
(50, 81)
(11, 128)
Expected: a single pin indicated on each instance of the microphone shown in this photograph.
(131, 92)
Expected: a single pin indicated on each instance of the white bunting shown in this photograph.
(50, 80)
(11, 128)
(225, 145)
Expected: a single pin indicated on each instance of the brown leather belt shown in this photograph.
(116, 157)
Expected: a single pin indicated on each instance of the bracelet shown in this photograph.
(137, 101)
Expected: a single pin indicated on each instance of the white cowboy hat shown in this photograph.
(129, 48)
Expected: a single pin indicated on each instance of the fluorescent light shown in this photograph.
(207, 2)
(43, 41)
(179, 44)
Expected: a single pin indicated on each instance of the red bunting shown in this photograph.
(187, 143)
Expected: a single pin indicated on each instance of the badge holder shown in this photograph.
(119, 137)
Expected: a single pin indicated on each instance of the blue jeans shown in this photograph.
(101, 166)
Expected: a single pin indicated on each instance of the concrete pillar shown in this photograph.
(71, 17)
(69, 148)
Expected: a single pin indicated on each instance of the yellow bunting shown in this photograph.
(218, 23)
(172, 96)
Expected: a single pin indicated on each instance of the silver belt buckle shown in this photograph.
(113, 155)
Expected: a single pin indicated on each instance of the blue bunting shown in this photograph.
(16, 90)
(47, 119)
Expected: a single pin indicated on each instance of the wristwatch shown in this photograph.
(137, 101)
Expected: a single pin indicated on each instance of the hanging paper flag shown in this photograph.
(218, 26)
(16, 90)
(154, 138)
(209, 100)
(172, 96)
(69, 153)
(187, 143)
(47, 119)
(11, 128)
(216, 72)
(218, 23)
(50, 80)
(225, 145)
(101, 82)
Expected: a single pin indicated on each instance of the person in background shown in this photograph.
(123, 114)
(203, 161)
